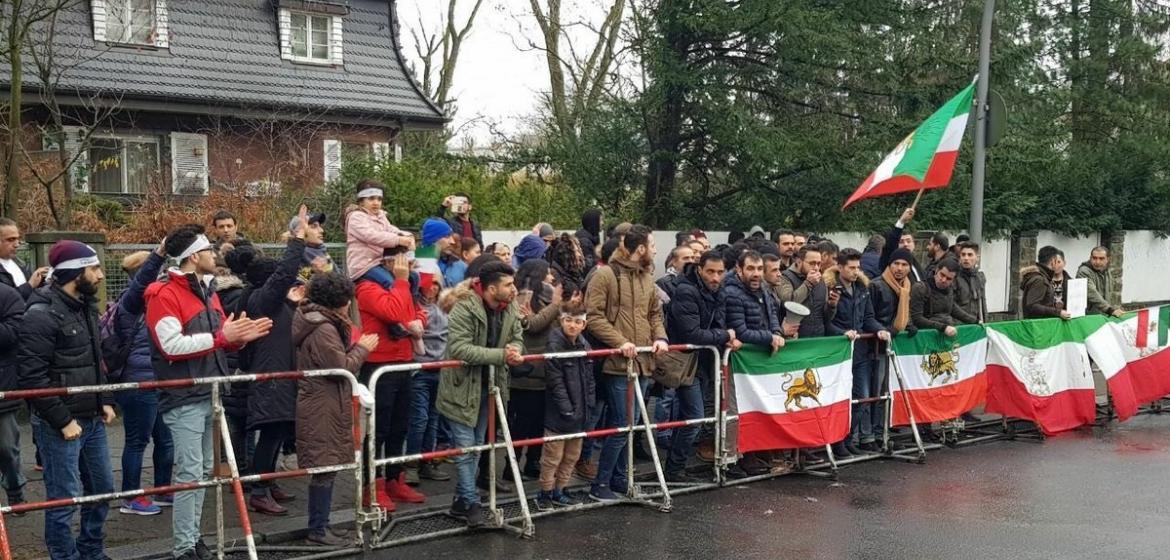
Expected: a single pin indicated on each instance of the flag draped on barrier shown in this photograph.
(944, 376)
(1134, 357)
(798, 397)
(1038, 370)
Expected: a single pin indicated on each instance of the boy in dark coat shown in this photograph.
(571, 391)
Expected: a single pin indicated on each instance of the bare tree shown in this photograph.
(573, 98)
(438, 76)
(23, 23)
(88, 114)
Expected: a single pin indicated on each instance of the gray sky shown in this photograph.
(499, 79)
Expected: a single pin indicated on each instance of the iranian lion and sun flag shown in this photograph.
(1037, 370)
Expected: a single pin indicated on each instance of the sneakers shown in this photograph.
(433, 471)
(399, 491)
(279, 494)
(383, 498)
(139, 506)
(201, 550)
(471, 513)
(587, 470)
(266, 505)
(411, 472)
(560, 499)
(544, 501)
(164, 500)
(602, 493)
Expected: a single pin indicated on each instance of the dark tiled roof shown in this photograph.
(227, 52)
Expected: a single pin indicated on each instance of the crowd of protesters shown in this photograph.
(210, 303)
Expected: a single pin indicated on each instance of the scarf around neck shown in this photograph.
(902, 316)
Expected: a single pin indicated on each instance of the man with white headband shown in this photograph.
(59, 348)
(190, 336)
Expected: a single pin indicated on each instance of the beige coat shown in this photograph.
(622, 306)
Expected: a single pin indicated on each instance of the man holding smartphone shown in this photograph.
(459, 206)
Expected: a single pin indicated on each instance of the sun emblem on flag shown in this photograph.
(1035, 378)
(806, 387)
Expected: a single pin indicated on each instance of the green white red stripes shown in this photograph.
(798, 397)
(944, 376)
(926, 158)
(1133, 355)
(1038, 370)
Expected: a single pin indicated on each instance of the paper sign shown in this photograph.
(1078, 296)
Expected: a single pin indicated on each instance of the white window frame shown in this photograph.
(124, 139)
(333, 42)
(160, 25)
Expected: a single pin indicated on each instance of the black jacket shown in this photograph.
(11, 317)
(754, 316)
(893, 237)
(570, 385)
(854, 311)
(25, 289)
(817, 303)
(589, 243)
(696, 316)
(274, 401)
(60, 348)
(971, 293)
(935, 308)
(231, 291)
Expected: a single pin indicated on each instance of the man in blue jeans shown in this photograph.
(190, 334)
(60, 348)
(623, 312)
(484, 331)
(696, 317)
(855, 316)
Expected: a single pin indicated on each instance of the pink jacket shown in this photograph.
(366, 235)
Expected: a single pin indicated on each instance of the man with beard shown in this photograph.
(1101, 285)
(802, 284)
(623, 312)
(191, 336)
(785, 241)
(60, 347)
(899, 238)
(753, 314)
(1045, 286)
(696, 317)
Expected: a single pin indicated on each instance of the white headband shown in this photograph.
(199, 244)
(74, 264)
(367, 193)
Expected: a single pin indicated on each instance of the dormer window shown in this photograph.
(310, 37)
(131, 22)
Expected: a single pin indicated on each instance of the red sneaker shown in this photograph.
(383, 498)
(398, 490)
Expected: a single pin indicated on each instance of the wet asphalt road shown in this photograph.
(1092, 494)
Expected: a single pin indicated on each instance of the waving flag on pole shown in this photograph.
(926, 158)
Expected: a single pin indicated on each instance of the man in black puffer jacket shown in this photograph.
(749, 309)
(60, 348)
(696, 317)
(11, 314)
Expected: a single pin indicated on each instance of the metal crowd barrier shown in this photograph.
(360, 398)
(497, 413)
(369, 515)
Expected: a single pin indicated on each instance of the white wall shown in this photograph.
(1076, 249)
(1144, 276)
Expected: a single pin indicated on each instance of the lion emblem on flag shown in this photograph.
(806, 387)
(941, 366)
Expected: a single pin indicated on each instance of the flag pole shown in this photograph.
(917, 198)
(978, 171)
